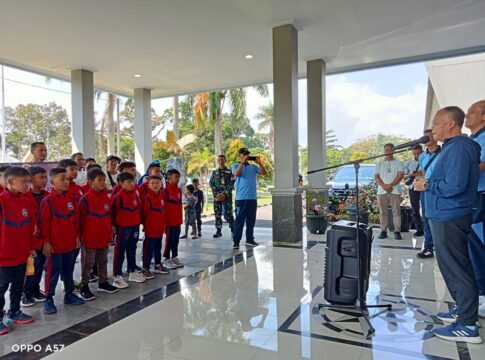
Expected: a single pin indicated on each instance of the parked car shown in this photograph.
(343, 182)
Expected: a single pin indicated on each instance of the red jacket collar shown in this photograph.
(6, 192)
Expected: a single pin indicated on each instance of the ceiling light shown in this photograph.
(249, 56)
(137, 75)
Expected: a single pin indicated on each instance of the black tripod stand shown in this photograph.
(360, 309)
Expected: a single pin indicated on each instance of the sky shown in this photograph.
(389, 100)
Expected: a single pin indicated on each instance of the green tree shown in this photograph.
(31, 122)
(266, 115)
(358, 155)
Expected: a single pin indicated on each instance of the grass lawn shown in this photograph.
(263, 199)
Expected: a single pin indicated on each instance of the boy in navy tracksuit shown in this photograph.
(17, 226)
(126, 218)
(174, 219)
(96, 229)
(32, 293)
(59, 227)
(153, 221)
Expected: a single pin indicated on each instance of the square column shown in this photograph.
(82, 98)
(316, 122)
(143, 129)
(287, 202)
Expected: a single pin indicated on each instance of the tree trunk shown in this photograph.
(110, 123)
(175, 109)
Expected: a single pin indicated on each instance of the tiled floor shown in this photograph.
(257, 303)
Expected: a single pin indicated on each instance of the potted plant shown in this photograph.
(317, 212)
(367, 203)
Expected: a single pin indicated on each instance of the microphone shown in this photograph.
(421, 140)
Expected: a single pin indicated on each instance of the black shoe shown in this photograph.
(419, 233)
(382, 235)
(200, 234)
(86, 294)
(107, 287)
(217, 235)
(251, 243)
(93, 278)
(425, 254)
(39, 297)
(27, 301)
(235, 247)
(397, 236)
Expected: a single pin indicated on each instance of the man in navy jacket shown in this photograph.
(450, 193)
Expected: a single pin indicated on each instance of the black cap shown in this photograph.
(113, 157)
(244, 151)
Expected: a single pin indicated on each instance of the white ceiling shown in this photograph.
(184, 46)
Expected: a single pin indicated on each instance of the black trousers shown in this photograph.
(451, 248)
(415, 199)
(12, 276)
(198, 217)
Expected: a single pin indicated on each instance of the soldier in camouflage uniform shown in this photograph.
(222, 184)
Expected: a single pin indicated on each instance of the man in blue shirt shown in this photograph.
(246, 197)
(427, 160)
(475, 121)
(450, 194)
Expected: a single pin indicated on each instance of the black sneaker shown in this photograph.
(235, 247)
(397, 236)
(382, 235)
(217, 235)
(251, 243)
(419, 233)
(27, 301)
(425, 254)
(39, 297)
(93, 278)
(86, 294)
(107, 287)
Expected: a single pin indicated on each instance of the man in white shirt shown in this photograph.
(388, 175)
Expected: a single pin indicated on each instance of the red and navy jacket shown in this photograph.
(143, 190)
(17, 226)
(75, 191)
(58, 221)
(173, 205)
(36, 200)
(85, 188)
(95, 219)
(153, 214)
(126, 208)
(117, 189)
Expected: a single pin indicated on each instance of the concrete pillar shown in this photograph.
(287, 203)
(82, 99)
(143, 129)
(316, 122)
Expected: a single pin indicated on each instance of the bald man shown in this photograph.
(450, 194)
(475, 121)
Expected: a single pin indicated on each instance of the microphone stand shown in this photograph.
(361, 310)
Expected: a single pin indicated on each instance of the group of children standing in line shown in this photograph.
(51, 228)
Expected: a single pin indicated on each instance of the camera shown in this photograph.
(252, 158)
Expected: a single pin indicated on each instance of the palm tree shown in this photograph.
(208, 107)
(266, 115)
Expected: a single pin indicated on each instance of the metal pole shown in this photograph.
(118, 148)
(3, 117)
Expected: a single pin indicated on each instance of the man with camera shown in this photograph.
(246, 196)
(222, 184)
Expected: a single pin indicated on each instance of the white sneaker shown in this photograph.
(481, 300)
(136, 277)
(177, 262)
(481, 310)
(169, 264)
(119, 282)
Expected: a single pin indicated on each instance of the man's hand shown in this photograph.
(33, 253)
(389, 188)
(420, 184)
(220, 197)
(48, 251)
(258, 161)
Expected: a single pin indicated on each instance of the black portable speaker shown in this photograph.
(341, 279)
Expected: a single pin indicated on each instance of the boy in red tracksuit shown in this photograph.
(32, 293)
(17, 226)
(95, 229)
(153, 221)
(126, 218)
(74, 190)
(153, 170)
(174, 218)
(59, 228)
(129, 167)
